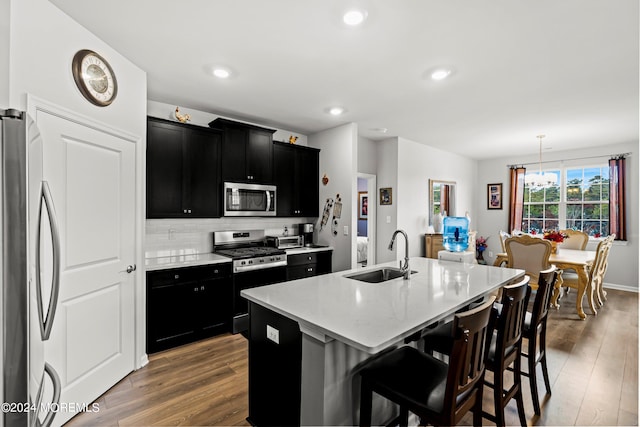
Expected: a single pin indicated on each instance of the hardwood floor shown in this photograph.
(593, 367)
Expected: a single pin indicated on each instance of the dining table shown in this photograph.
(568, 259)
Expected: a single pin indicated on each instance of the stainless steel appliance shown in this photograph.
(285, 242)
(253, 265)
(30, 275)
(240, 199)
(306, 231)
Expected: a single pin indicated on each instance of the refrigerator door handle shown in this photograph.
(46, 322)
(55, 401)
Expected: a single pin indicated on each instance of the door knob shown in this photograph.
(131, 268)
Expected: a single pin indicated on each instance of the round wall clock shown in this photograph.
(94, 77)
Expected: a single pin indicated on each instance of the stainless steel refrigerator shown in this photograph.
(30, 276)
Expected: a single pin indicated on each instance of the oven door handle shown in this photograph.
(268, 193)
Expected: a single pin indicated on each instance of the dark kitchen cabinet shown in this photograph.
(187, 304)
(247, 153)
(183, 170)
(310, 264)
(295, 174)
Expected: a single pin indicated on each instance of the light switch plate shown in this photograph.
(346, 230)
(273, 334)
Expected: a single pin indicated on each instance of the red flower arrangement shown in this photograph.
(555, 236)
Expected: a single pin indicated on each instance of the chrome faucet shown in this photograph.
(403, 267)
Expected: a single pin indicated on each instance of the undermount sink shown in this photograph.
(379, 275)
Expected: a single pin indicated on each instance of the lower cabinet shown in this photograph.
(187, 304)
(433, 245)
(300, 266)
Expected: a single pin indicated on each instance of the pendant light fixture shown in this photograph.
(541, 180)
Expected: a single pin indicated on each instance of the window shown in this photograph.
(580, 201)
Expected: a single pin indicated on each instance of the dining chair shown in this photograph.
(535, 332)
(505, 347)
(437, 392)
(576, 239)
(596, 272)
(530, 254)
(503, 236)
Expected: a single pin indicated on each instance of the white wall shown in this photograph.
(417, 163)
(623, 259)
(367, 156)
(43, 43)
(5, 28)
(338, 160)
(387, 167)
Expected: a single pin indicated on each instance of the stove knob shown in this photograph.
(261, 259)
(250, 262)
(243, 263)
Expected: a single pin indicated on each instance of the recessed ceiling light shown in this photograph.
(221, 73)
(354, 17)
(440, 74)
(336, 111)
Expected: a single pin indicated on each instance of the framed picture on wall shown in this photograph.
(363, 204)
(494, 196)
(386, 196)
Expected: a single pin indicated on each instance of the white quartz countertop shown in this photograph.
(176, 258)
(373, 316)
(160, 260)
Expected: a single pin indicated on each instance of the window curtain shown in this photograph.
(516, 198)
(444, 199)
(617, 202)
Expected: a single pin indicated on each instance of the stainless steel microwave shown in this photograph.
(242, 199)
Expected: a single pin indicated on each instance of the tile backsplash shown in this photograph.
(196, 235)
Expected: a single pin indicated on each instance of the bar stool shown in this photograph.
(504, 349)
(535, 331)
(438, 393)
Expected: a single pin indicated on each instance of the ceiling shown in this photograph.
(567, 69)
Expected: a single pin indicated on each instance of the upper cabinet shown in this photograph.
(183, 170)
(247, 150)
(295, 172)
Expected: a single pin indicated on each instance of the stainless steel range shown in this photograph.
(254, 264)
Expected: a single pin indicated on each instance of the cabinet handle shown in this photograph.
(215, 271)
(310, 269)
(309, 258)
(195, 289)
(202, 288)
(177, 276)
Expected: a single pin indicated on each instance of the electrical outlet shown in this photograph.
(273, 334)
(490, 254)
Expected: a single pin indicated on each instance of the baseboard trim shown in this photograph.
(619, 287)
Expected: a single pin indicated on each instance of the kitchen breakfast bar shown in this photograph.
(309, 337)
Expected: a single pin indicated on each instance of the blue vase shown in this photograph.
(455, 236)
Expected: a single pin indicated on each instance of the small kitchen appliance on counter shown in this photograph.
(306, 231)
(285, 242)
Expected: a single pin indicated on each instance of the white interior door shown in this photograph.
(91, 174)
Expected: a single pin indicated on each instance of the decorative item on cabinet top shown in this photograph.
(182, 118)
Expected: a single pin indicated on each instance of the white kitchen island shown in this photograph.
(309, 336)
